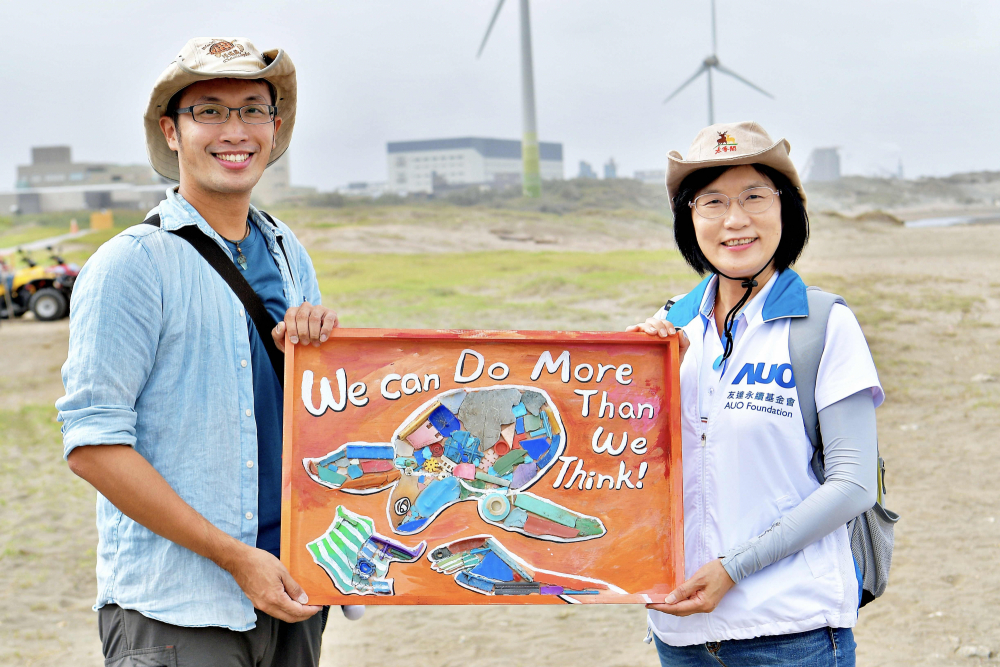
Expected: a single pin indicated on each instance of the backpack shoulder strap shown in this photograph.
(224, 266)
(806, 339)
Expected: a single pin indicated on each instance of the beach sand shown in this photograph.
(928, 300)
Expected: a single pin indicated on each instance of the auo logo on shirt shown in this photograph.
(780, 374)
(768, 402)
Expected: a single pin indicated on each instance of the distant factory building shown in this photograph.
(586, 171)
(415, 166)
(823, 165)
(53, 182)
(611, 168)
(651, 176)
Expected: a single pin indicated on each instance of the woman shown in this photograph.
(770, 579)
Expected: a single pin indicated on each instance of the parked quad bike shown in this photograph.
(44, 290)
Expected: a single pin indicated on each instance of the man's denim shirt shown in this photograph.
(159, 360)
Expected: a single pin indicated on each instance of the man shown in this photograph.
(172, 408)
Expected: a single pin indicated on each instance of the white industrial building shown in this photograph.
(414, 166)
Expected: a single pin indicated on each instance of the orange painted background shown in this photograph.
(642, 551)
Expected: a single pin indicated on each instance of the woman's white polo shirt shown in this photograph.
(747, 463)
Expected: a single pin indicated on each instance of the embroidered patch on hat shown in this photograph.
(725, 143)
(226, 50)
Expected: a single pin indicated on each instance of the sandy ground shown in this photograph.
(929, 301)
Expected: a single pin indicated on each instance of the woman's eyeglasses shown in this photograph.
(753, 200)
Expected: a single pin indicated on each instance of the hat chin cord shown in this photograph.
(748, 284)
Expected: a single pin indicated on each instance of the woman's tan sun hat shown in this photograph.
(728, 144)
(205, 58)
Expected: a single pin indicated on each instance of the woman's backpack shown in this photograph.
(871, 532)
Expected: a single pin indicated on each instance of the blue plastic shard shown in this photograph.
(494, 568)
(354, 472)
(519, 425)
(474, 581)
(539, 433)
(536, 447)
(411, 526)
(371, 452)
(328, 475)
(422, 455)
(545, 423)
(332, 458)
(553, 449)
(453, 401)
(519, 410)
(516, 518)
(438, 494)
(444, 421)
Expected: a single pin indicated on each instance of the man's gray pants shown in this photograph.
(130, 639)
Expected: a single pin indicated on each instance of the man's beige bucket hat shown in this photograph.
(728, 144)
(206, 58)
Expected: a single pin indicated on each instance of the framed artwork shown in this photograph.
(478, 467)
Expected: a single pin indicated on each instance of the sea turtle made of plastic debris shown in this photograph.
(465, 444)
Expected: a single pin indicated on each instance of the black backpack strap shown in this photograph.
(223, 264)
(806, 340)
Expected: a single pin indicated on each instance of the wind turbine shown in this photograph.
(531, 182)
(707, 65)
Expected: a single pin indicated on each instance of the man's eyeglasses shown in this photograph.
(753, 200)
(216, 114)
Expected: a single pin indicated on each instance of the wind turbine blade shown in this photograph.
(714, 49)
(740, 78)
(489, 29)
(701, 70)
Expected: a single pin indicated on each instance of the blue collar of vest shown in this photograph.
(786, 299)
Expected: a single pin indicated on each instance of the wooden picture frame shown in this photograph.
(392, 492)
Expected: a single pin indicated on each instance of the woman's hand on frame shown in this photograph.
(700, 594)
(662, 329)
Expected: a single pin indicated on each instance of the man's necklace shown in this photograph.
(241, 259)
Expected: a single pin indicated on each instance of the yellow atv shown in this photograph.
(44, 290)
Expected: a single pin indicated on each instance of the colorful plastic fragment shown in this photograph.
(506, 463)
(453, 401)
(545, 508)
(536, 447)
(425, 435)
(495, 506)
(371, 452)
(523, 474)
(536, 525)
(484, 412)
(331, 476)
(516, 518)
(356, 558)
(532, 422)
(444, 421)
(376, 465)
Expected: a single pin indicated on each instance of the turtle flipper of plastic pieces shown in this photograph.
(442, 455)
(483, 565)
(356, 558)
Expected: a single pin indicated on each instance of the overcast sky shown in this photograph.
(914, 80)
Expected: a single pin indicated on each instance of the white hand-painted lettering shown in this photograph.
(391, 395)
(586, 393)
(460, 366)
(326, 400)
(551, 366)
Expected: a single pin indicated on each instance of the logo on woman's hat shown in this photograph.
(726, 142)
